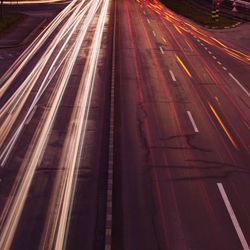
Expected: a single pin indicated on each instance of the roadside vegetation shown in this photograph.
(10, 19)
(198, 15)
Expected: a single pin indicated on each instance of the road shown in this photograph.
(183, 135)
(125, 126)
(53, 107)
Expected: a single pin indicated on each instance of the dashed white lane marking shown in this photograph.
(192, 121)
(148, 20)
(214, 57)
(161, 50)
(233, 217)
(154, 34)
(209, 52)
(172, 75)
(224, 68)
(144, 12)
(219, 62)
(239, 84)
(205, 48)
(202, 44)
(198, 40)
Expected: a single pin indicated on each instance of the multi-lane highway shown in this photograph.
(47, 97)
(125, 126)
(182, 177)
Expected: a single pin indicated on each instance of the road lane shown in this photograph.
(178, 168)
(70, 45)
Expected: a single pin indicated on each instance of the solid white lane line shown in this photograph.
(233, 217)
(154, 34)
(214, 57)
(224, 68)
(209, 52)
(148, 20)
(172, 75)
(219, 62)
(161, 50)
(192, 121)
(239, 84)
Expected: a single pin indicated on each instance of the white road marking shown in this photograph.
(148, 20)
(233, 217)
(224, 68)
(209, 52)
(205, 48)
(219, 62)
(144, 12)
(192, 121)
(198, 40)
(214, 57)
(172, 75)
(202, 44)
(239, 84)
(161, 50)
(154, 34)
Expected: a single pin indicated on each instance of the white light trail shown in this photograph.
(14, 206)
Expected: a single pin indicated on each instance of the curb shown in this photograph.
(225, 27)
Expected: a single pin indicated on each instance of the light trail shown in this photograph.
(183, 66)
(22, 93)
(76, 133)
(26, 56)
(178, 23)
(223, 126)
(14, 206)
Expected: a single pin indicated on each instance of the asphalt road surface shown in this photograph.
(182, 181)
(170, 171)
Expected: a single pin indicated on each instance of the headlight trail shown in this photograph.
(74, 140)
(14, 206)
(26, 56)
(18, 99)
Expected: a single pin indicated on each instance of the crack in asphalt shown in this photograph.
(141, 117)
(188, 138)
